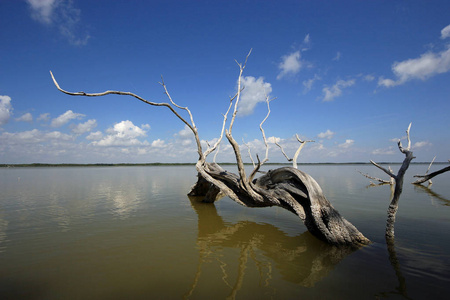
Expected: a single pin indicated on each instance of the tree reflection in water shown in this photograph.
(433, 195)
(303, 259)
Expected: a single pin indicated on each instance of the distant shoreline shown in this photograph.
(40, 165)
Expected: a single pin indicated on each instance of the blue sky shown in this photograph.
(350, 75)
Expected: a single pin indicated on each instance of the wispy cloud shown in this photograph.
(65, 117)
(445, 32)
(338, 56)
(384, 151)
(255, 91)
(34, 136)
(290, 64)
(25, 118)
(44, 117)
(336, 90)
(326, 135)
(5, 109)
(427, 65)
(84, 127)
(346, 144)
(369, 77)
(62, 15)
(421, 144)
(308, 84)
(42, 10)
(306, 43)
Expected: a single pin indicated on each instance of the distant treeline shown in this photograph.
(183, 164)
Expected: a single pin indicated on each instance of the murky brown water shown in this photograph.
(131, 232)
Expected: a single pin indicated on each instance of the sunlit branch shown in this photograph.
(225, 116)
(266, 158)
(294, 159)
(249, 152)
(109, 92)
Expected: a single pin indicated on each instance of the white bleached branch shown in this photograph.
(294, 159)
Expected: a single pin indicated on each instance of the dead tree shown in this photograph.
(286, 187)
(294, 159)
(424, 178)
(393, 207)
(380, 180)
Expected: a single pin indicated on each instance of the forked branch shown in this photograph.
(423, 178)
(294, 159)
(382, 181)
(393, 207)
(169, 106)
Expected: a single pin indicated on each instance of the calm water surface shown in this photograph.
(131, 232)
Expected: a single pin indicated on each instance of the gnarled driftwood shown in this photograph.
(289, 188)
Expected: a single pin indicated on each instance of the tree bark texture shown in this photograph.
(291, 189)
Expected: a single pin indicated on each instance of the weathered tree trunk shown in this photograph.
(398, 179)
(293, 190)
(423, 178)
(284, 187)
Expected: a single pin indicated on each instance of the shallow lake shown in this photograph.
(132, 233)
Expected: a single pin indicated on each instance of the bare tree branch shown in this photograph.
(302, 144)
(249, 152)
(191, 126)
(389, 172)
(209, 150)
(294, 159)
(282, 151)
(266, 158)
(426, 177)
(393, 207)
(375, 178)
(285, 187)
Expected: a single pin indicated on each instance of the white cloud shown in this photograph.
(185, 136)
(255, 91)
(346, 144)
(445, 32)
(369, 77)
(273, 139)
(61, 14)
(185, 133)
(421, 144)
(326, 135)
(307, 40)
(33, 136)
(307, 84)
(158, 143)
(124, 133)
(44, 117)
(336, 90)
(84, 127)
(387, 82)
(42, 10)
(427, 65)
(385, 151)
(65, 117)
(290, 64)
(5, 109)
(338, 56)
(95, 136)
(25, 118)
